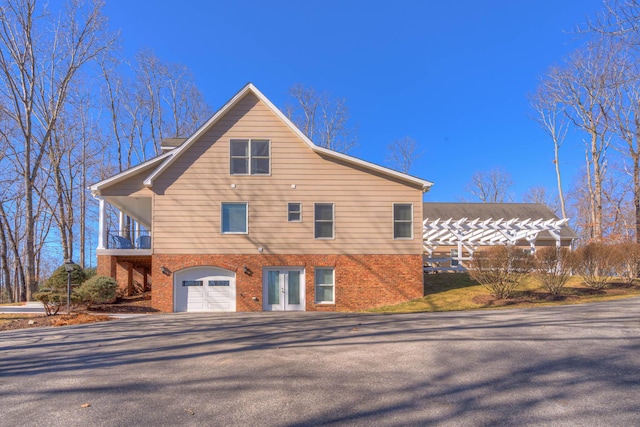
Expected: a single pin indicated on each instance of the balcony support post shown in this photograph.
(102, 226)
(121, 224)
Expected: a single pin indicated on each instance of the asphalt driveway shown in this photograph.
(574, 365)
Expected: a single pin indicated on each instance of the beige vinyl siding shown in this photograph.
(131, 186)
(189, 194)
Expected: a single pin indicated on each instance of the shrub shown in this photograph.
(90, 272)
(97, 290)
(553, 268)
(626, 260)
(500, 269)
(595, 263)
(58, 279)
(53, 293)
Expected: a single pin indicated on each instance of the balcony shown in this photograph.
(127, 242)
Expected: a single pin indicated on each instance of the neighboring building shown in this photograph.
(454, 231)
(247, 214)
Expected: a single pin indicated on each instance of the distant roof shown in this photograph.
(495, 211)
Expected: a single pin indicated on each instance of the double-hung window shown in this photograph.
(402, 221)
(323, 220)
(250, 157)
(294, 212)
(234, 218)
(325, 285)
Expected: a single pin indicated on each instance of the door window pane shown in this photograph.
(234, 218)
(273, 287)
(293, 287)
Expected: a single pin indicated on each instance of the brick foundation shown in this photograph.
(362, 281)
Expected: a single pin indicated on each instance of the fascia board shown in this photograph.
(95, 188)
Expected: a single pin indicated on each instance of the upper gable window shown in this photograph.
(250, 157)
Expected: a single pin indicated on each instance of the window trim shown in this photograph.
(333, 221)
(249, 156)
(393, 221)
(315, 285)
(289, 211)
(246, 218)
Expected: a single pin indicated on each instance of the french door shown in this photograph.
(283, 289)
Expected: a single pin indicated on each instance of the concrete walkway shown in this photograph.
(571, 365)
(28, 307)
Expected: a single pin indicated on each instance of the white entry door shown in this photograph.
(283, 289)
(205, 289)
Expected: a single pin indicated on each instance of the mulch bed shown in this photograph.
(137, 304)
(569, 294)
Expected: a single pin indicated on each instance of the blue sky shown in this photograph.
(453, 75)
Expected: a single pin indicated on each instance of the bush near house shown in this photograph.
(53, 293)
(97, 290)
(596, 264)
(626, 260)
(501, 269)
(553, 267)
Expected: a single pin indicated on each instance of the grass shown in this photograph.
(457, 291)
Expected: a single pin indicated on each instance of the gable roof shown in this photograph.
(95, 188)
(250, 88)
(162, 162)
(495, 211)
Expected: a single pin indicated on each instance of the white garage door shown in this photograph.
(205, 289)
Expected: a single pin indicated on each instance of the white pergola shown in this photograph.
(471, 234)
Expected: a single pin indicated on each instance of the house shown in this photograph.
(247, 214)
(454, 231)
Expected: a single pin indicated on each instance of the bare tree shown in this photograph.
(402, 154)
(322, 119)
(586, 86)
(540, 195)
(550, 114)
(490, 187)
(619, 19)
(39, 59)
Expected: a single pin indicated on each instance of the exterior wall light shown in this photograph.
(165, 271)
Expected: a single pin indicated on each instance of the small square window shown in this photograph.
(234, 218)
(325, 285)
(294, 212)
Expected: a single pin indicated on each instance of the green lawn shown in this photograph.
(457, 291)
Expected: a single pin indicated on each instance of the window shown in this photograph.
(402, 221)
(192, 283)
(323, 219)
(250, 157)
(234, 218)
(219, 283)
(325, 285)
(454, 258)
(294, 212)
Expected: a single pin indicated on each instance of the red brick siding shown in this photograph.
(362, 281)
